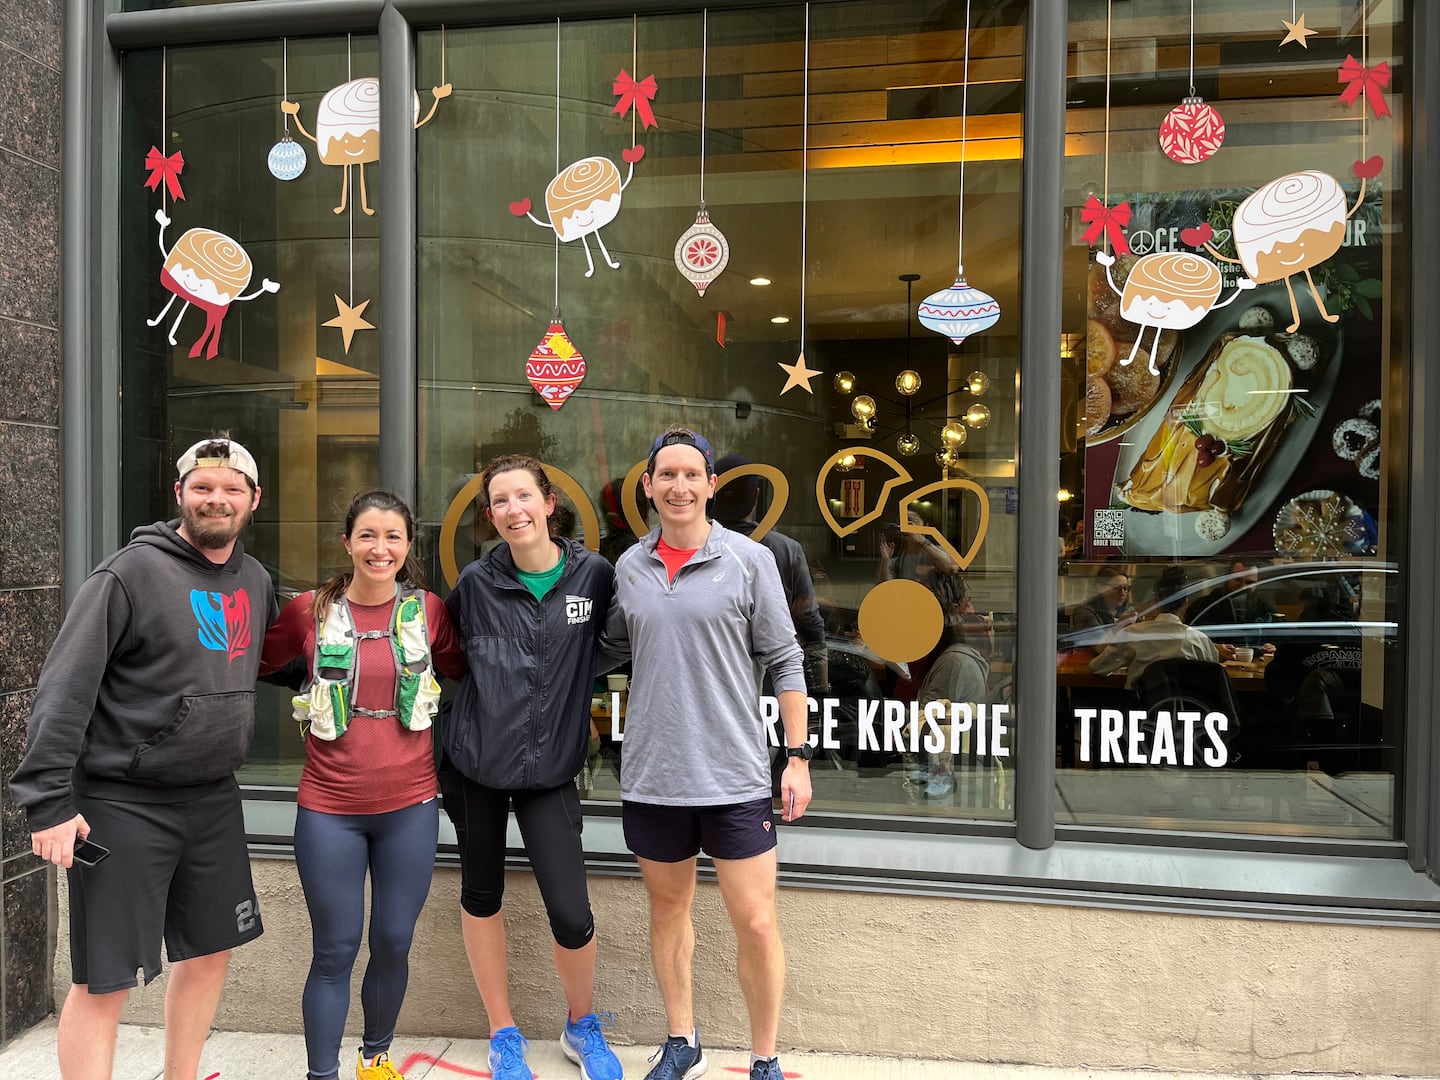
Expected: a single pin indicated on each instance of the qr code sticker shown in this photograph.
(1109, 528)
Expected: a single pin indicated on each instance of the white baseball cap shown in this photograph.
(231, 455)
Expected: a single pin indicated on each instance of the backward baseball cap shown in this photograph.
(220, 452)
(679, 436)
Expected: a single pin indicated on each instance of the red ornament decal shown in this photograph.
(556, 367)
(1369, 80)
(1191, 132)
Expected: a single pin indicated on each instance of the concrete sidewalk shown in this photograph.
(242, 1055)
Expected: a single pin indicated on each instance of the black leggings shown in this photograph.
(550, 824)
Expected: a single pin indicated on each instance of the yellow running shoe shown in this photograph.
(382, 1069)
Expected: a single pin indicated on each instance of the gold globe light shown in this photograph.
(845, 382)
(863, 407)
(977, 416)
(954, 433)
(908, 382)
(978, 382)
(944, 458)
(908, 445)
(846, 463)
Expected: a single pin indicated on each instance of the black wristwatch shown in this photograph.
(805, 752)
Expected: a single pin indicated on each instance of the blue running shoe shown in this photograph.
(766, 1069)
(678, 1060)
(507, 1055)
(584, 1043)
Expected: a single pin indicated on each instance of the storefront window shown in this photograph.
(840, 214)
(1235, 356)
(208, 343)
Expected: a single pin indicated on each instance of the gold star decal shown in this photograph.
(798, 375)
(1297, 32)
(350, 320)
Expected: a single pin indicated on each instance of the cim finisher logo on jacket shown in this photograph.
(577, 609)
(224, 620)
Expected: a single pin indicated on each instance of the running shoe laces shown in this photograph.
(507, 1055)
(583, 1042)
(766, 1069)
(678, 1060)
(380, 1069)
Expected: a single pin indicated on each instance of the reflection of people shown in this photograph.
(1164, 637)
(1239, 601)
(960, 673)
(1109, 605)
(700, 609)
(919, 558)
(366, 801)
(167, 628)
(735, 506)
(618, 535)
(530, 614)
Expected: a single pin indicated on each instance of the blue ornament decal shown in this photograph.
(959, 311)
(287, 159)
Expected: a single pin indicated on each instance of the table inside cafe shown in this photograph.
(1072, 671)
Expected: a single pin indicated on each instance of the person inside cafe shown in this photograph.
(1162, 637)
(1237, 600)
(1110, 604)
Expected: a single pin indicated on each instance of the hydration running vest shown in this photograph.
(324, 708)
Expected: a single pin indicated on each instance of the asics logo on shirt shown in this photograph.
(224, 620)
(577, 609)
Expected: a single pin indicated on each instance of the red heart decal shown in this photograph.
(1197, 235)
(1369, 168)
(521, 208)
(634, 154)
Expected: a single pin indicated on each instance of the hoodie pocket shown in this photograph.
(207, 740)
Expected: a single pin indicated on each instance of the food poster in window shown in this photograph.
(1224, 411)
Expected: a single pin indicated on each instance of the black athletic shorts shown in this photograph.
(672, 834)
(180, 871)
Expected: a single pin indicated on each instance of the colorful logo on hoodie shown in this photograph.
(224, 620)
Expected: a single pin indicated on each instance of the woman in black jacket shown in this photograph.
(529, 615)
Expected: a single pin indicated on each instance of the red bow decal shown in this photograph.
(1109, 220)
(167, 169)
(1372, 80)
(638, 94)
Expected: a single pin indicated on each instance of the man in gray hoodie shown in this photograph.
(700, 612)
(144, 710)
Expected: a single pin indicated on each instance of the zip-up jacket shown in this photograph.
(521, 719)
(698, 647)
(149, 690)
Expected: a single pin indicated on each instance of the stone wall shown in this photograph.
(30, 601)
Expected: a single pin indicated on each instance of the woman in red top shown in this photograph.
(367, 792)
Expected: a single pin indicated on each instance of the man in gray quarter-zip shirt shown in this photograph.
(701, 613)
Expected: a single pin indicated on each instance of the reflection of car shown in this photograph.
(1304, 602)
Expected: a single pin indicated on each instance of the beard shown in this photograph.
(210, 532)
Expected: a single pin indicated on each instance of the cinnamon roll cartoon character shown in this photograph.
(1171, 290)
(1292, 224)
(210, 270)
(582, 199)
(347, 128)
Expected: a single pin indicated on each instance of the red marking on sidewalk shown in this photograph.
(212, 1076)
(416, 1058)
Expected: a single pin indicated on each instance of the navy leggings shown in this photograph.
(333, 852)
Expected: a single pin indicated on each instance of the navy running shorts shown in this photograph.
(672, 834)
(178, 871)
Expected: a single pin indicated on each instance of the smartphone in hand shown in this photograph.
(89, 853)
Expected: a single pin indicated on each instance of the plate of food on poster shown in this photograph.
(1240, 404)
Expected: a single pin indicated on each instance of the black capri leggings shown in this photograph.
(550, 824)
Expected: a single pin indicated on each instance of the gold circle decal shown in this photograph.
(900, 620)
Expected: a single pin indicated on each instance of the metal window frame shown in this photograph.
(1354, 881)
